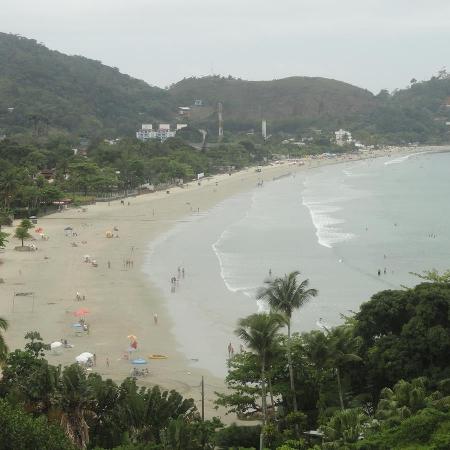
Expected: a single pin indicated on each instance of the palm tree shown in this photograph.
(3, 346)
(259, 332)
(344, 427)
(284, 295)
(333, 349)
(75, 404)
(342, 348)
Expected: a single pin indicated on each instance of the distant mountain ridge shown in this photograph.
(43, 90)
(71, 93)
(246, 102)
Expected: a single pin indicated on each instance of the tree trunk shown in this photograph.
(22, 242)
(263, 402)
(341, 398)
(269, 382)
(291, 369)
(263, 391)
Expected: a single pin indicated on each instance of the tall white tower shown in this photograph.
(220, 117)
(264, 129)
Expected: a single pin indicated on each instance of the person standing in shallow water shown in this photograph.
(379, 272)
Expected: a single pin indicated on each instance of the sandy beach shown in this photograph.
(120, 299)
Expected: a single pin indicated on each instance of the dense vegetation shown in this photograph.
(49, 90)
(43, 91)
(107, 170)
(380, 381)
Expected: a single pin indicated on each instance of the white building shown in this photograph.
(147, 132)
(180, 126)
(343, 137)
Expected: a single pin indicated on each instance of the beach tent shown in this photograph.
(56, 347)
(84, 357)
(109, 234)
(68, 229)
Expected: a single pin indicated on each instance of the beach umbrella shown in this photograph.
(132, 337)
(139, 361)
(77, 325)
(55, 345)
(81, 312)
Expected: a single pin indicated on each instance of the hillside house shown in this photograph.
(162, 133)
(343, 137)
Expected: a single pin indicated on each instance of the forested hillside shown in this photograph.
(42, 91)
(287, 103)
(50, 90)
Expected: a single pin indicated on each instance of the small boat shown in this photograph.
(156, 356)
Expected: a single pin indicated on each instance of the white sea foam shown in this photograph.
(402, 158)
(228, 263)
(326, 231)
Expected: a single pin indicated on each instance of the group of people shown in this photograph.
(128, 263)
(175, 280)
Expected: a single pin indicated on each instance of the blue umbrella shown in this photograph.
(139, 361)
(77, 325)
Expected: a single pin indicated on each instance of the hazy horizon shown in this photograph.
(376, 45)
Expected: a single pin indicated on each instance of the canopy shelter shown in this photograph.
(56, 347)
(83, 358)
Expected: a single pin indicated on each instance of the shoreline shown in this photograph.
(121, 299)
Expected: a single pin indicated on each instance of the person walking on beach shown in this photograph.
(107, 362)
(109, 264)
(182, 272)
(155, 318)
(379, 272)
(230, 350)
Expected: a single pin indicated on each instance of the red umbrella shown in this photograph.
(81, 312)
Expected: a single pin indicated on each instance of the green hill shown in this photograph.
(43, 90)
(286, 103)
(48, 89)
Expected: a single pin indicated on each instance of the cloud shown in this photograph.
(372, 43)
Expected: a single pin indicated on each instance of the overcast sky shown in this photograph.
(374, 44)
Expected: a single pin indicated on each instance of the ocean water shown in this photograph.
(337, 224)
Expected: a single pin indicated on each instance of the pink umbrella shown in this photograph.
(81, 312)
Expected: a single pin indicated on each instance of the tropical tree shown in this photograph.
(26, 223)
(3, 346)
(75, 402)
(3, 239)
(5, 218)
(22, 233)
(259, 332)
(284, 295)
(19, 430)
(345, 427)
(342, 350)
(405, 399)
